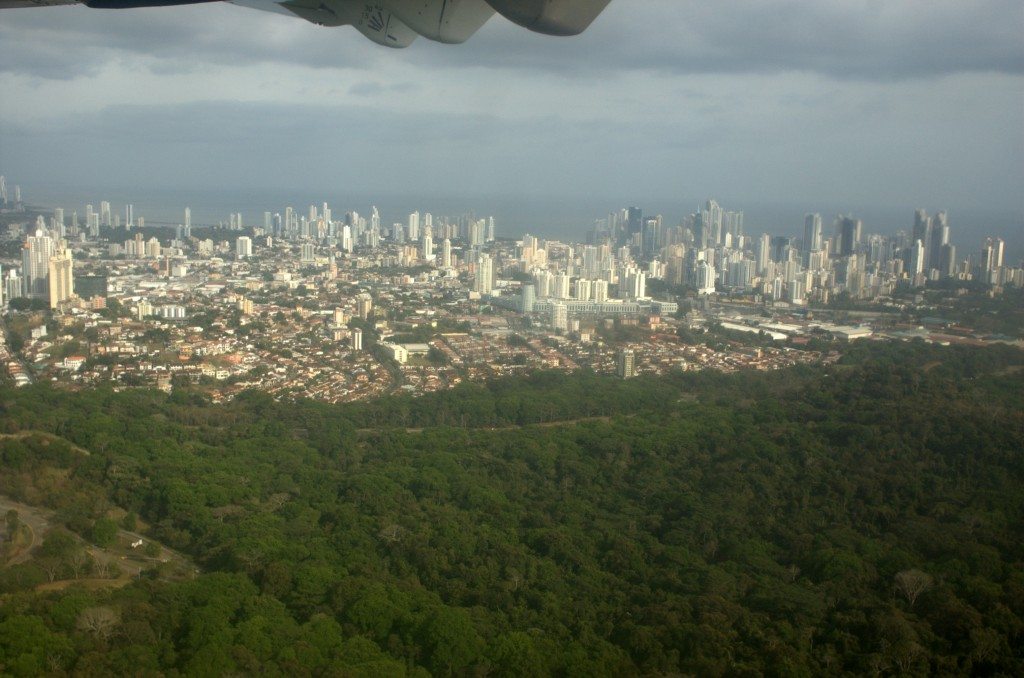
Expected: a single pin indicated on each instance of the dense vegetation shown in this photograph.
(861, 518)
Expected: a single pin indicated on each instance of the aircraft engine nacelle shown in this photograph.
(552, 17)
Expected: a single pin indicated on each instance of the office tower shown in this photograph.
(357, 339)
(626, 364)
(243, 247)
(35, 265)
(414, 226)
(188, 217)
(939, 239)
(484, 282)
(916, 258)
(58, 220)
(129, 215)
(106, 218)
(268, 222)
(427, 250)
(634, 220)
(847, 235)
(61, 278)
(947, 261)
(528, 298)
(764, 253)
(922, 227)
(812, 233)
(446, 253)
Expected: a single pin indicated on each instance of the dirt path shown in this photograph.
(21, 435)
(36, 520)
(545, 424)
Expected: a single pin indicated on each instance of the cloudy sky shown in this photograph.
(885, 102)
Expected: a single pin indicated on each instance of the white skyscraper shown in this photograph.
(484, 282)
(427, 250)
(446, 253)
(705, 278)
(357, 339)
(414, 226)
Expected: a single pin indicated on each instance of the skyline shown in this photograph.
(548, 217)
(917, 104)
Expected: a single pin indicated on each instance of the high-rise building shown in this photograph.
(561, 286)
(812, 233)
(13, 287)
(243, 247)
(35, 265)
(847, 235)
(188, 217)
(704, 278)
(364, 305)
(626, 363)
(528, 298)
(414, 226)
(427, 249)
(446, 253)
(484, 281)
(559, 316)
(357, 339)
(62, 280)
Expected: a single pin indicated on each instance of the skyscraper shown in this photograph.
(847, 235)
(414, 226)
(35, 268)
(427, 249)
(61, 278)
(626, 364)
(484, 282)
(446, 253)
(812, 233)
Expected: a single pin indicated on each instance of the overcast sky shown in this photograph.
(882, 102)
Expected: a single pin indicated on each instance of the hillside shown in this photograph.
(864, 518)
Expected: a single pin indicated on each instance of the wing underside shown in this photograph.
(396, 23)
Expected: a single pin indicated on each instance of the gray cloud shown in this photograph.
(841, 39)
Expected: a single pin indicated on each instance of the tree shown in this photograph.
(104, 532)
(912, 583)
(98, 621)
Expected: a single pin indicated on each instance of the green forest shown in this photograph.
(860, 518)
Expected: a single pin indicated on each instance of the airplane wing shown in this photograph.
(396, 23)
